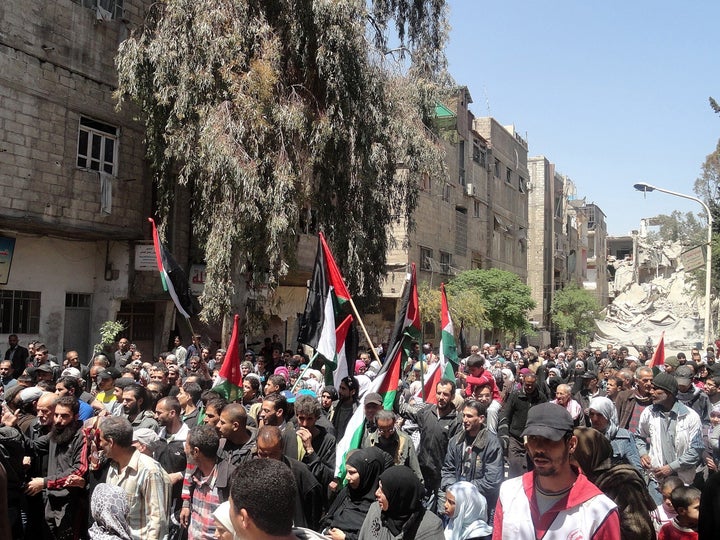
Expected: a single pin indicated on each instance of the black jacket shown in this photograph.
(435, 433)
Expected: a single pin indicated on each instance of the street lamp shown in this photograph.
(645, 188)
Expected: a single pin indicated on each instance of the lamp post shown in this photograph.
(648, 187)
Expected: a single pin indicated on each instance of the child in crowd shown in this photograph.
(665, 512)
(686, 502)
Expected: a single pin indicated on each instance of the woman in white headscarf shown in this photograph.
(224, 529)
(604, 418)
(467, 510)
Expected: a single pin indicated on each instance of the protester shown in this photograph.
(109, 507)
(554, 495)
(398, 511)
(345, 516)
(466, 510)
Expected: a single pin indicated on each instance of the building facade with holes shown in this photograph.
(476, 217)
(75, 191)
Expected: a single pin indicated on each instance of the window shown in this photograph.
(139, 318)
(97, 146)
(521, 184)
(461, 219)
(461, 163)
(78, 300)
(426, 183)
(479, 155)
(426, 255)
(445, 262)
(508, 175)
(107, 9)
(446, 192)
(497, 168)
(19, 312)
(476, 209)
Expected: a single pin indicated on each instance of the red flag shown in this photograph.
(229, 381)
(658, 357)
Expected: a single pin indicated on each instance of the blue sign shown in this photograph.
(7, 247)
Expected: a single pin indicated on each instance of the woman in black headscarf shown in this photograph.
(398, 511)
(347, 512)
(621, 482)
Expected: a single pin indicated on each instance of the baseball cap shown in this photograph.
(684, 375)
(108, 373)
(145, 436)
(548, 420)
(47, 368)
(28, 395)
(70, 372)
(373, 397)
(589, 375)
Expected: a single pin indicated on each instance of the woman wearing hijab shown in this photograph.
(224, 529)
(467, 510)
(604, 418)
(398, 512)
(109, 507)
(622, 483)
(347, 512)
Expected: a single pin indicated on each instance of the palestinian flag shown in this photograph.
(174, 279)
(387, 380)
(229, 382)
(446, 367)
(658, 357)
(327, 325)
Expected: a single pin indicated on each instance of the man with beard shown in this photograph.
(397, 444)
(39, 438)
(668, 436)
(67, 504)
(146, 484)
(273, 413)
(437, 423)
(513, 417)
(554, 498)
(134, 400)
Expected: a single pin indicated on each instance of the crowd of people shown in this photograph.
(519, 443)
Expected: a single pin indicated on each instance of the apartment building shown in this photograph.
(75, 192)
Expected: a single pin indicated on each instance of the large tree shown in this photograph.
(574, 311)
(505, 298)
(263, 108)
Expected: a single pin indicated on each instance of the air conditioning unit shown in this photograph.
(470, 190)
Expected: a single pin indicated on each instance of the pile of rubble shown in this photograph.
(641, 312)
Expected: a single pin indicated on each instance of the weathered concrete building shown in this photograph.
(74, 188)
(474, 218)
(597, 272)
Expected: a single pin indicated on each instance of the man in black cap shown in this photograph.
(669, 435)
(554, 496)
(690, 395)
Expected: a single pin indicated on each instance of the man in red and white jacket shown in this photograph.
(554, 501)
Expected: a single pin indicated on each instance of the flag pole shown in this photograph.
(365, 332)
(310, 363)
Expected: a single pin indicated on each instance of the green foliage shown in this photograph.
(263, 108)
(707, 188)
(504, 298)
(109, 330)
(466, 305)
(574, 310)
(678, 227)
